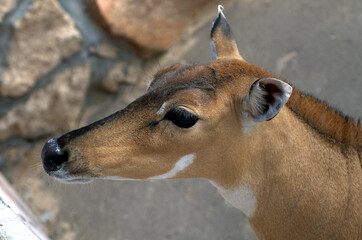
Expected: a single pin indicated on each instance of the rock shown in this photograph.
(53, 108)
(11, 155)
(46, 216)
(153, 25)
(122, 72)
(104, 50)
(42, 38)
(5, 7)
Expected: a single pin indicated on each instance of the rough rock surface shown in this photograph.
(122, 72)
(152, 25)
(42, 38)
(5, 6)
(104, 50)
(53, 108)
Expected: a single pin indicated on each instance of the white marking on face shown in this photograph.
(60, 173)
(162, 108)
(181, 164)
(63, 176)
(241, 198)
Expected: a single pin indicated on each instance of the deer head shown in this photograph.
(193, 122)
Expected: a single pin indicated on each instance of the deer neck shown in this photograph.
(290, 181)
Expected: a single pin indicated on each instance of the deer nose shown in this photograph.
(53, 156)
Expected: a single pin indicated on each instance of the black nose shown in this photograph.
(53, 156)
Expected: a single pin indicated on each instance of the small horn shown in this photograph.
(223, 44)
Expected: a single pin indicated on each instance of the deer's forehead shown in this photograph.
(191, 94)
(218, 74)
(205, 82)
(177, 75)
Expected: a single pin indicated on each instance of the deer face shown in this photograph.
(186, 124)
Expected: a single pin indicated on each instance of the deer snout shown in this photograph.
(53, 156)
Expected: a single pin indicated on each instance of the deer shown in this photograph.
(288, 161)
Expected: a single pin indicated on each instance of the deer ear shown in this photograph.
(265, 99)
(222, 42)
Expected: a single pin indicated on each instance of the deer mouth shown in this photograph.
(64, 176)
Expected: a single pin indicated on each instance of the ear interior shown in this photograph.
(265, 99)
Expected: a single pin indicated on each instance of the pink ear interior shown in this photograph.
(266, 97)
(271, 89)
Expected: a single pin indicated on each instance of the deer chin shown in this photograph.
(64, 176)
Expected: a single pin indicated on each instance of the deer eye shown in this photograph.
(181, 118)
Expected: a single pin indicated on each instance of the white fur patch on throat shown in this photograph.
(241, 198)
(180, 165)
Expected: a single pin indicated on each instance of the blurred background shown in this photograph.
(66, 63)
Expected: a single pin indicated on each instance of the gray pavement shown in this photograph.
(315, 45)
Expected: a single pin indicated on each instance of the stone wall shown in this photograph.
(61, 68)
(53, 52)
(48, 64)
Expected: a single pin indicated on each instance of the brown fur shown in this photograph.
(308, 186)
(326, 120)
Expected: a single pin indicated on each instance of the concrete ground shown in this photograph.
(315, 45)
